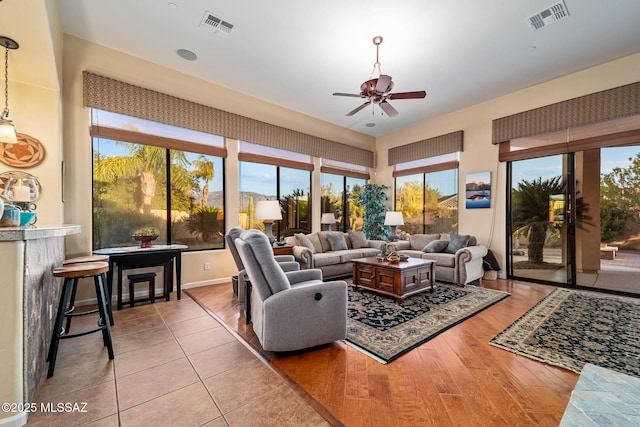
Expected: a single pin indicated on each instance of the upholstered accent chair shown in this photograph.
(287, 262)
(290, 310)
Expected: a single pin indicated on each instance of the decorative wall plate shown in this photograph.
(26, 153)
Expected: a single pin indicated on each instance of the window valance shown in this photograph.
(112, 95)
(335, 167)
(622, 101)
(431, 147)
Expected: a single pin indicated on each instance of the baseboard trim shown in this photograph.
(17, 420)
(143, 293)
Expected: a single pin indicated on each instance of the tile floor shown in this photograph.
(174, 365)
(603, 397)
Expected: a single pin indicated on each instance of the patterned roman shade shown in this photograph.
(431, 147)
(112, 95)
(622, 101)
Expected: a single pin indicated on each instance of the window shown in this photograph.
(273, 174)
(342, 184)
(427, 194)
(150, 175)
(340, 195)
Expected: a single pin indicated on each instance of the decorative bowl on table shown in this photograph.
(393, 257)
(404, 257)
(145, 236)
(145, 241)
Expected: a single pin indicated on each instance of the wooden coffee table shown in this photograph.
(395, 279)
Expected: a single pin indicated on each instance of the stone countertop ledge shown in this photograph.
(30, 232)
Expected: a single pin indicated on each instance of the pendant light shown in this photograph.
(7, 129)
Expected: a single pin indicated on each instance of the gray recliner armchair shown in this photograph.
(287, 262)
(290, 310)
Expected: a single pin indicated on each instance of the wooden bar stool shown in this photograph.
(80, 260)
(70, 273)
(141, 278)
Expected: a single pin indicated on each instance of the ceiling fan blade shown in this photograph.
(387, 108)
(384, 83)
(352, 112)
(348, 94)
(407, 95)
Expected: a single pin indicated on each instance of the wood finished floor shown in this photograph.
(455, 379)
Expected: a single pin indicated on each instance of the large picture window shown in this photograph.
(140, 181)
(428, 200)
(272, 174)
(340, 195)
(342, 185)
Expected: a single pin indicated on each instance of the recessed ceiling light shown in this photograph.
(172, 5)
(187, 54)
(370, 125)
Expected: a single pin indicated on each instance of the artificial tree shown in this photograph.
(372, 200)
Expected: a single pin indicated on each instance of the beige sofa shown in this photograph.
(332, 251)
(458, 257)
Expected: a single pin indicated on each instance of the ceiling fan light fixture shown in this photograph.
(377, 90)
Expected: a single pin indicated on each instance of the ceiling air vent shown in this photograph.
(548, 16)
(216, 25)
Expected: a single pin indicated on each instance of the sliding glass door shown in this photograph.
(540, 223)
(574, 219)
(608, 234)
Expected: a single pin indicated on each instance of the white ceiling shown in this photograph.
(297, 53)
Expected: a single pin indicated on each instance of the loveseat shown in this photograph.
(332, 251)
(458, 257)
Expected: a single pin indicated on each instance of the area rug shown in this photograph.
(385, 330)
(570, 328)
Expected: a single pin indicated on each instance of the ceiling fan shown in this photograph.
(377, 90)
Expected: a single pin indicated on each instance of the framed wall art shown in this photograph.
(478, 190)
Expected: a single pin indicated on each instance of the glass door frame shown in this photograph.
(568, 160)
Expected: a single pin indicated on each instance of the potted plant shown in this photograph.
(372, 199)
(145, 235)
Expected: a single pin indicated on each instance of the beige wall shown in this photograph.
(36, 112)
(480, 155)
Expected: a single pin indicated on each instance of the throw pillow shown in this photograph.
(315, 241)
(419, 241)
(436, 246)
(358, 239)
(336, 241)
(304, 241)
(457, 242)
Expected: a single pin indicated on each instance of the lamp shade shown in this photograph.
(393, 218)
(328, 218)
(7, 132)
(268, 210)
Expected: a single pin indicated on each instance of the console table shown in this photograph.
(131, 257)
(395, 279)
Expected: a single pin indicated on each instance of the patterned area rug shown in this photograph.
(570, 328)
(385, 330)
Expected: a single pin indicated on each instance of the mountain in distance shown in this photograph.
(216, 198)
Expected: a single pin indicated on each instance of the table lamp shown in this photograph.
(268, 211)
(393, 219)
(327, 220)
